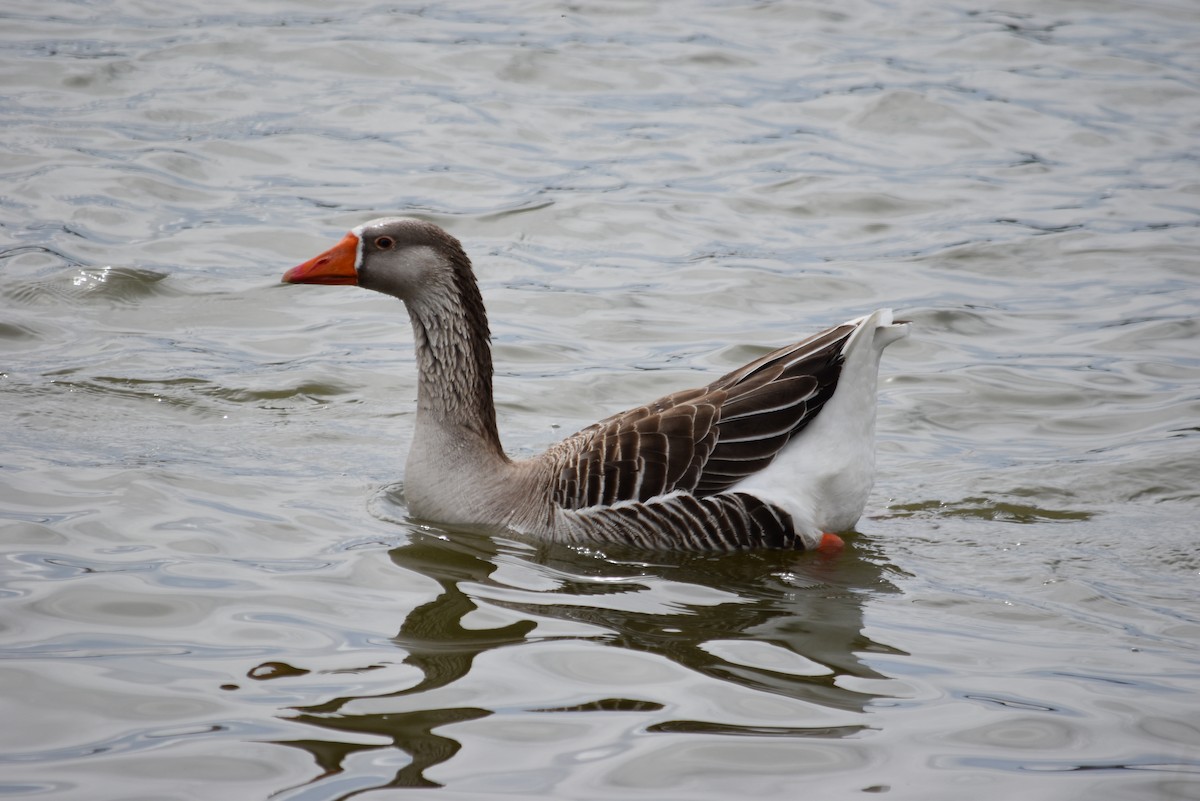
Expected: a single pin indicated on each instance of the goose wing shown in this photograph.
(727, 521)
(701, 441)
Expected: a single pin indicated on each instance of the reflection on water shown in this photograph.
(435, 642)
(988, 509)
(808, 606)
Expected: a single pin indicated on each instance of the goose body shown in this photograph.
(779, 453)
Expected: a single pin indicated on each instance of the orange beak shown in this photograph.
(334, 266)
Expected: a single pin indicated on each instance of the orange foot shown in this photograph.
(831, 544)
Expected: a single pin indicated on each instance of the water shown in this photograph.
(209, 585)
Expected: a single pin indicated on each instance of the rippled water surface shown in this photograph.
(210, 587)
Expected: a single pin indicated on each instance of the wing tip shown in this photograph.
(883, 327)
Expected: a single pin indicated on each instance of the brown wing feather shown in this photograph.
(702, 440)
(726, 522)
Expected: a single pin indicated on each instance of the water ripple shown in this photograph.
(194, 454)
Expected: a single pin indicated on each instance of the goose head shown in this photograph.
(406, 258)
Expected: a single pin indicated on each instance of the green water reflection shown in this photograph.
(807, 605)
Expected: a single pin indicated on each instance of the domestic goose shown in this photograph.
(779, 453)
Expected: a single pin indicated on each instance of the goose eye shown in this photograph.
(385, 243)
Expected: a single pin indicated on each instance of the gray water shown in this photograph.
(210, 587)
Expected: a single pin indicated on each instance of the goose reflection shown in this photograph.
(806, 605)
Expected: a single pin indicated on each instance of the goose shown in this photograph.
(779, 453)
